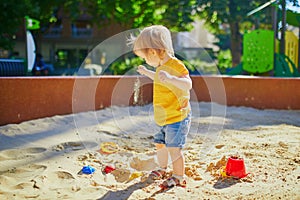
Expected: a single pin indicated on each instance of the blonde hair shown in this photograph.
(155, 37)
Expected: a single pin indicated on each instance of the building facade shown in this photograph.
(65, 44)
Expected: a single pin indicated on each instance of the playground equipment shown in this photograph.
(260, 55)
(256, 51)
(292, 48)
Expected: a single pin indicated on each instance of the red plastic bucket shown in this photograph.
(235, 167)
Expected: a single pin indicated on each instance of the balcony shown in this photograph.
(56, 32)
(53, 32)
(81, 32)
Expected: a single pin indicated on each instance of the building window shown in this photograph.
(81, 29)
(53, 31)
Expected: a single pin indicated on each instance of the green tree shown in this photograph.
(12, 17)
(176, 14)
(234, 14)
(231, 13)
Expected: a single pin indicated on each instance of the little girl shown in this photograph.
(172, 111)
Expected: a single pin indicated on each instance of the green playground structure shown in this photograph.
(261, 47)
(260, 55)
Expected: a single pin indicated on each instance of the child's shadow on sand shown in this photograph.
(225, 183)
(126, 193)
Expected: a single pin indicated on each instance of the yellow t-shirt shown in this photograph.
(171, 104)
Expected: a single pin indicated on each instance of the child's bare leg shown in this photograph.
(178, 169)
(177, 160)
(162, 158)
(162, 155)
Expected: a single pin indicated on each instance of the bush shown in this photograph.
(224, 60)
(127, 64)
(197, 66)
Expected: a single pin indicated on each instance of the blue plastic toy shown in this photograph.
(88, 170)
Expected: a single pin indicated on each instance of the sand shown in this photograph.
(43, 158)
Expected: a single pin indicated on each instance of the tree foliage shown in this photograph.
(234, 14)
(176, 14)
(231, 13)
(12, 17)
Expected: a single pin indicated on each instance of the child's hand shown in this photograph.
(164, 76)
(144, 71)
(141, 69)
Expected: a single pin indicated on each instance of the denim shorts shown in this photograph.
(174, 135)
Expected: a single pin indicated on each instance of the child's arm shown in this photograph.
(144, 71)
(183, 83)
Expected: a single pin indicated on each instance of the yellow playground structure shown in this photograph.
(261, 55)
(261, 49)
